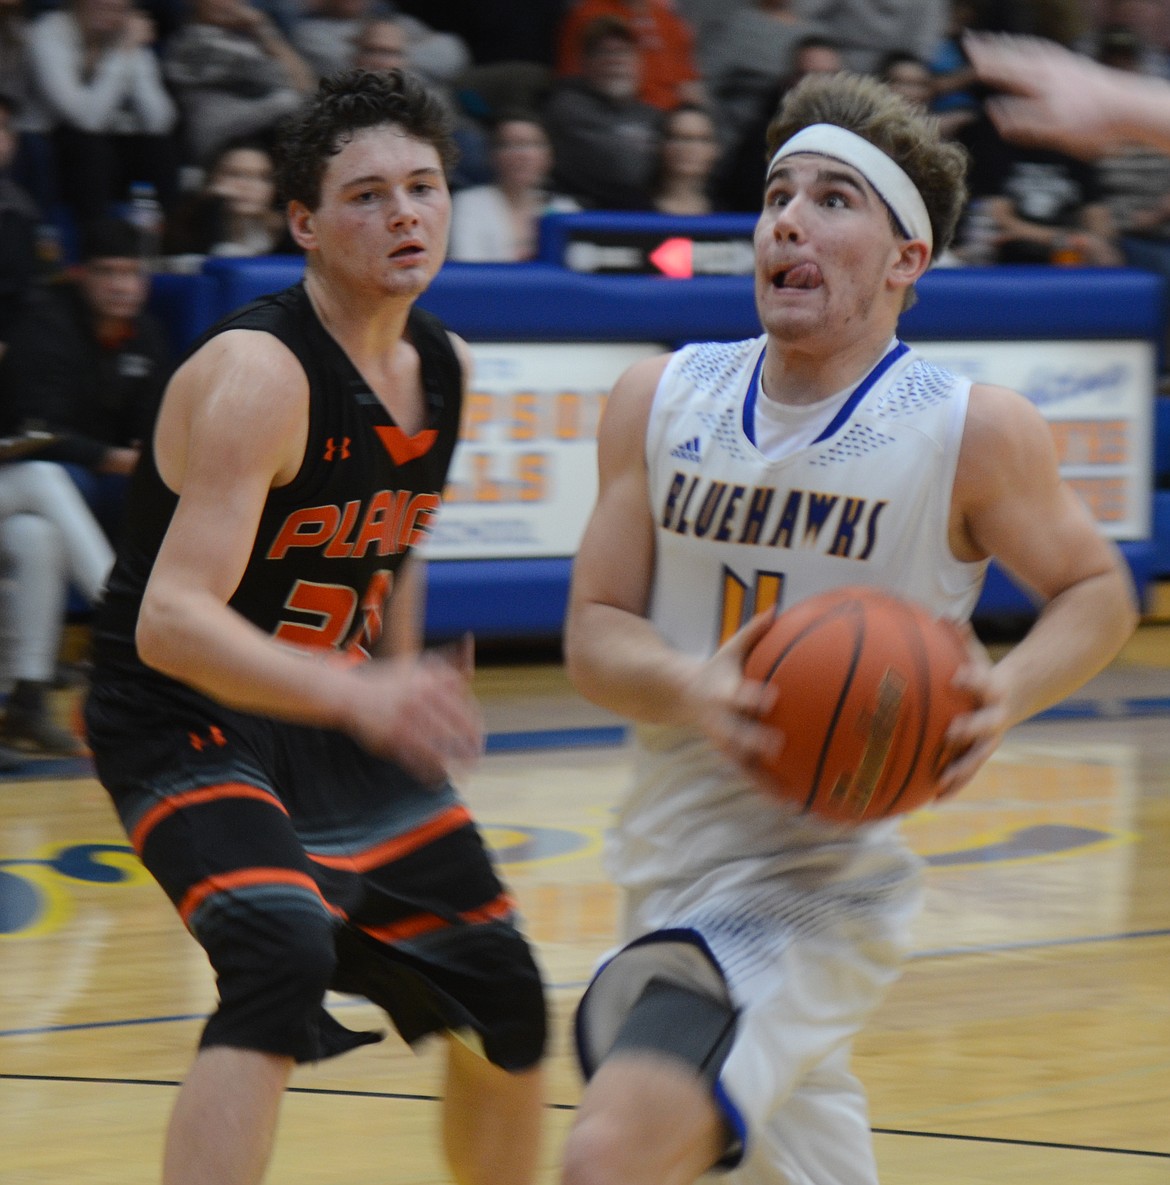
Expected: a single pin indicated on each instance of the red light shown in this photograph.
(675, 258)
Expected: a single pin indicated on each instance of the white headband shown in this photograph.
(887, 177)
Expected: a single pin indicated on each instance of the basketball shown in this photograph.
(864, 701)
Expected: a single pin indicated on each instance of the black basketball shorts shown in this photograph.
(301, 863)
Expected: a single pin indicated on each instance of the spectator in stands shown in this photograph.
(499, 223)
(1135, 180)
(866, 31)
(16, 82)
(686, 160)
(491, 88)
(498, 30)
(327, 36)
(49, 541)
(88, 364)
(1119, 48)
(907, 76)
(440, 57)
(669, 72)
(1147, 21)
(955, 88)
(604, 138)
(911, 78)
(389, 43)
(380, 44)
(816, 54)
(34, 167)
(235, 75)
(14, 73)
(235, 211)
(707, 17)
(1047, 207)
(325, 33)
(740, 182)
(748, 58)
(19, 218)
(95, 66)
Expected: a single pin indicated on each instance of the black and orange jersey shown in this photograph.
(329, 541)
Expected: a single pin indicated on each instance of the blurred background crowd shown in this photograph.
(166, 113)
(138, 136)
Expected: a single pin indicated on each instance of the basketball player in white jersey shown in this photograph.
(742, 477)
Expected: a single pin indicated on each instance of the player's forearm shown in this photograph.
(199, 641)
(1137, 108)
(1077, 634)
(619, 660)
(403, 621)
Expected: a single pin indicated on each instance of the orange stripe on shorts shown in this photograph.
(245, 878)
(204, 794)
(401, 845)
(427, 923)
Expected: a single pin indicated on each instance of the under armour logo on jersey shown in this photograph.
(214, 737)
(337, 451)
(688, 450)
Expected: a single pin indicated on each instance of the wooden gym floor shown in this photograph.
(1029, 1039)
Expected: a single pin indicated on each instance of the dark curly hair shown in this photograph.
(346, 103)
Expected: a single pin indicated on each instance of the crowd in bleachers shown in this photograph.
(561, 104)
(165, 114)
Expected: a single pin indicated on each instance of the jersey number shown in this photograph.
(766, 592)
(334, 606)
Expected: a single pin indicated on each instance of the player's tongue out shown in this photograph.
(803, 275)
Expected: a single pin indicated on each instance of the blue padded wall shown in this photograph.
(544, 301)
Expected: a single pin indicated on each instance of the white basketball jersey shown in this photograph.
(866, 503)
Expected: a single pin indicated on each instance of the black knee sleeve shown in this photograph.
(681, 1023)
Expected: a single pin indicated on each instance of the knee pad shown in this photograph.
(694, 1025)
(680, 1023)
(656, 974)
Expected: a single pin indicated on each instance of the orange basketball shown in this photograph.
(864, 701)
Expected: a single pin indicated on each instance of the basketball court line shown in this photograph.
(1120, 1103)
(1125, 708)
(536, 740)
(1018, 1143)
(403, 1096)
(1035, 944)
(579, 985)
(613, 736)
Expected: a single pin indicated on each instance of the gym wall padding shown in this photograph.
(544, 301)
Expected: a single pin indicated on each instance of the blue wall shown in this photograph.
(543, 301)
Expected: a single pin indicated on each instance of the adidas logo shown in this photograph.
(688, 450)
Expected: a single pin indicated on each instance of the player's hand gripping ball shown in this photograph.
(864, 700)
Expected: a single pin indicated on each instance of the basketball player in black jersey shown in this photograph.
(290, 797)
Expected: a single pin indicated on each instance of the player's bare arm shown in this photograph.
(404, 612)
(233, 425)
(1065, 100)
(403, 621)
(614, 655)
(608, 641)
(1010, 503)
